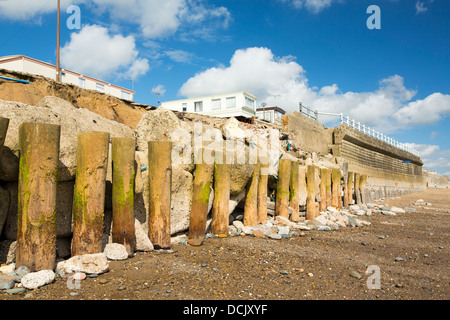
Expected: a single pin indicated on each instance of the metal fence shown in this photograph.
(360, 127)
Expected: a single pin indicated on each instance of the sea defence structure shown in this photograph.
(314, 168)
(386, 170)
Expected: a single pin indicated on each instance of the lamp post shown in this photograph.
(58, 69)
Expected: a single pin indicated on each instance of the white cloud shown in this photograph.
(155, 18)
(429, 110)
(282, 81)
(159, 89)
(28, 10)
(180, 56)
(314, 6)
(158, 19)
(93, 51)
(425, 150)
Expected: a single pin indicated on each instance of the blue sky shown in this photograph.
(321, 52)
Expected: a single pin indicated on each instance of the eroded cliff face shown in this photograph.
(107, 106)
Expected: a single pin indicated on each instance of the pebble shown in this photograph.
(103, 281)
(74, 294)
(258, 233)
(388, 213)
(284, 272)
(38, 279)
(8, 269)
(275, 236)
(195, 242)
(381, 237)
(204, 265)
(310, 275)
(356, 275)
(79, 276)
(6, 282)
(364, 243)
(121, 288)
(399, 259)
(16, 291)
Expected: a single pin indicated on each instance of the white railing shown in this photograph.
(377, 135)
(358, 126)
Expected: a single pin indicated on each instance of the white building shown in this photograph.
(25, 64)
(237, 104)
(270, 114)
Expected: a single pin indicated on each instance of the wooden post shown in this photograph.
(38, 179)
(123, 176)
(160, 185)
(362, 188)
(251, 201)
(345, 185)
(220, 209)
(335, 185)
(200, 199)
(323, 190)
(262, 191)
(350, 179)
(294, 195)
(89, 192)
(357, 191)
(282, 198)
(311, 196)
(328, 187)
(4, 124)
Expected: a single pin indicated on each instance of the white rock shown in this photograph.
(283, 220)
(88, 263)
(283, 230)
(322, 220)
(300, 227)
(360, 212)
(8, 269)
(354, 207)
(238, 224)
(143, 242)
(332, 209)
(35, 280)
(397, 210)
(388, 213)
(248, 230)
(116, 251)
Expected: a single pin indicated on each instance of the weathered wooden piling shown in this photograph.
(294, 193)
(123, 176)
(328, 187)
(262, 191)
(38, 179)
(336, 187)
(350, 180)
(357, 191)
(323, 190)
(311, 196)
(220, 209)
(4, 124)
(282, 198)
(251, 200)
(362, 188)
(200, 199)
(89, 192)
(345, 176)
(160, 185)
